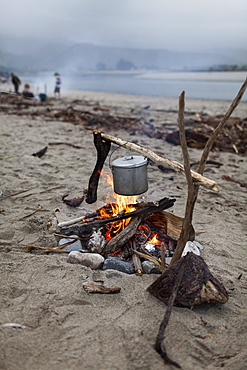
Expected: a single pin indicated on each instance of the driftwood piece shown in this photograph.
(40, 152)
(193, 188)
(199, 179)
(191, 193)
(124, 236)
(103, 148)
(136, 259)
(101, 289)
(197, 286)
(159, 343)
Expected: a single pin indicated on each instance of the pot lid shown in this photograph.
(130, 161)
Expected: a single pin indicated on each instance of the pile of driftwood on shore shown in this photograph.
(198, 127)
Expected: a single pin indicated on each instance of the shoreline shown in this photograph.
(154, 84)
(209, 106)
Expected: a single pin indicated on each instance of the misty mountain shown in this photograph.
(69, 57)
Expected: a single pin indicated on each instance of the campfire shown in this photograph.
(113, 233)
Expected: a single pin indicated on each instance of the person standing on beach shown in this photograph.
(16, 82)
(57, 86)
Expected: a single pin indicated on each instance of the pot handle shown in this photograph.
(110, 166)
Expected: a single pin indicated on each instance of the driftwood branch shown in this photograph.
(103, 148)
(64, 143)
(192, 187)
(197, 178)
(192, 193)
(159, 345)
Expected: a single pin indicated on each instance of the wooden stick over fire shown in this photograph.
(197, 178)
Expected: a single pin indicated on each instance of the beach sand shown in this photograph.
(63, 327)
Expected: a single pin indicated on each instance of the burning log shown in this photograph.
(148, 209)
(124, 236)
(197, 178)
(143, 210)
(103, 148)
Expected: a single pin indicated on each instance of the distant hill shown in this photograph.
(29, 56)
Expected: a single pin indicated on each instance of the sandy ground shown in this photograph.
(63, 327)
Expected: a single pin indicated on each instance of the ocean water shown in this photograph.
(197, 85)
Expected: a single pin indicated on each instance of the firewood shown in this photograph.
(124, 236)
(149, 209)
(103, 148)
(136, 259)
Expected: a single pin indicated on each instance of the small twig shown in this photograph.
(159, 346)
(41, 192)
(30, 214)
(12, 195)
(29, 248)
(63, 143)
(58, 248)
(69, 237)
(148, 257)
(136, 259)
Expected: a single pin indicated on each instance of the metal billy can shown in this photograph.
(130, 175)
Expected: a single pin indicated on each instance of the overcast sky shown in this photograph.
(193, 25)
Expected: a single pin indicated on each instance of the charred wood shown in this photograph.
(124, 236)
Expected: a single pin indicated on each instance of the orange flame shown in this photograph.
(122, 204)
(154, 240)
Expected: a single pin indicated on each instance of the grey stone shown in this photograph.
(150, 267)
(92, 260)
(119, 265)
(76, 246)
